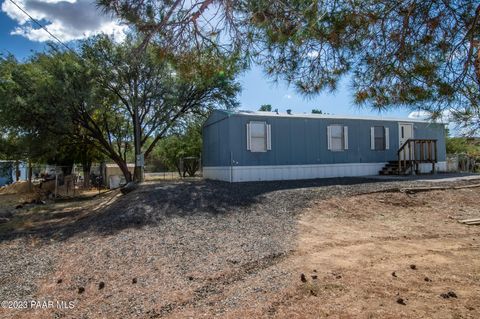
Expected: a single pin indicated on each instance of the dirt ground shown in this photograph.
(362, 254)
(338, 255)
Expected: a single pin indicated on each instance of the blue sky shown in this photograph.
(259, 89)
(70, 20)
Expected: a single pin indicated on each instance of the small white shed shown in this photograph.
(114, 176)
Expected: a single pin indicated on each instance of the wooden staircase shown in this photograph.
(410, 155)
(391, 168)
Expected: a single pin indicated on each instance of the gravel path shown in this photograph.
(170, 246)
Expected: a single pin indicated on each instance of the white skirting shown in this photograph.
(286, 172)
(289, 172)
(427, 168)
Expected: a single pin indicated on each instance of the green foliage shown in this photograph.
(29, 121)
(317, 111)
(108, 100)
(172, 149)
(265, 108)
(413, 54)
(463, 145)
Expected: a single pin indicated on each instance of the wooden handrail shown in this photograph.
(419, 150)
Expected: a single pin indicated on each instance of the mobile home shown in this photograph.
(255, 146)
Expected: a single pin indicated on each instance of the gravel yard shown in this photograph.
(205, 249)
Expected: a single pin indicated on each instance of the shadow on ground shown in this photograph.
(161, 201)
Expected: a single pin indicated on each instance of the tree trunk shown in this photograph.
(138, 173)
(124, 168)
(30, 186)
(179, 170)
(137, 137)
(86, 174)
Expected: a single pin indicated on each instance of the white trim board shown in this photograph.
(292, 172)
(330, 116)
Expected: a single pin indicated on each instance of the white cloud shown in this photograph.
(287, 96)
(445, 117)
(66, 19)
(420, 115)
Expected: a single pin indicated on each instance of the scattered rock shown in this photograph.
(394, 274)
(314, 270)
(81, 290)
(314, 276)
(449, 294)
(4, 220)
(400, 301)
(190, 278)
(313, 293)
(134, 280)
(19, 206)
(303, 278)
(101, 285)
(414, 267)
(59, 281)
(338, 276)
(427, 279)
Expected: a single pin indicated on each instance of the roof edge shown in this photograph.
(328, 116)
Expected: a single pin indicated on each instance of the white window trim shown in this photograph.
(268, 136)
(344, 134)
(387, 138)
(386, 135)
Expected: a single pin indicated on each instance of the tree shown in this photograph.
(317, 111)
(30, 124)
(265, 108)
(185, 142)
(113, 100)
(154, 94)
(183, 26)
(414, 54)
(462, 145)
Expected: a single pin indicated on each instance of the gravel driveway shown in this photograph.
(199, 246)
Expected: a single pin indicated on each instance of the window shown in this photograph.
(380, 139)
(258, 136)
(337, 136)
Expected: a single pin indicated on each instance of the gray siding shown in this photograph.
(300, 141)
(215, 133)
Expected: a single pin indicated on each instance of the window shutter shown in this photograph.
(387, 138)
(329, 137)
(248, 137)
(345, 137)
(269, 137)
(372, 138)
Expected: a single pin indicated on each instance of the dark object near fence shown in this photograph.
(96, 180)
(129, 187)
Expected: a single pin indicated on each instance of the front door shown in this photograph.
(405, 133)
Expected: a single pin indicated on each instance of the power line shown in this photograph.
(41, 26)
